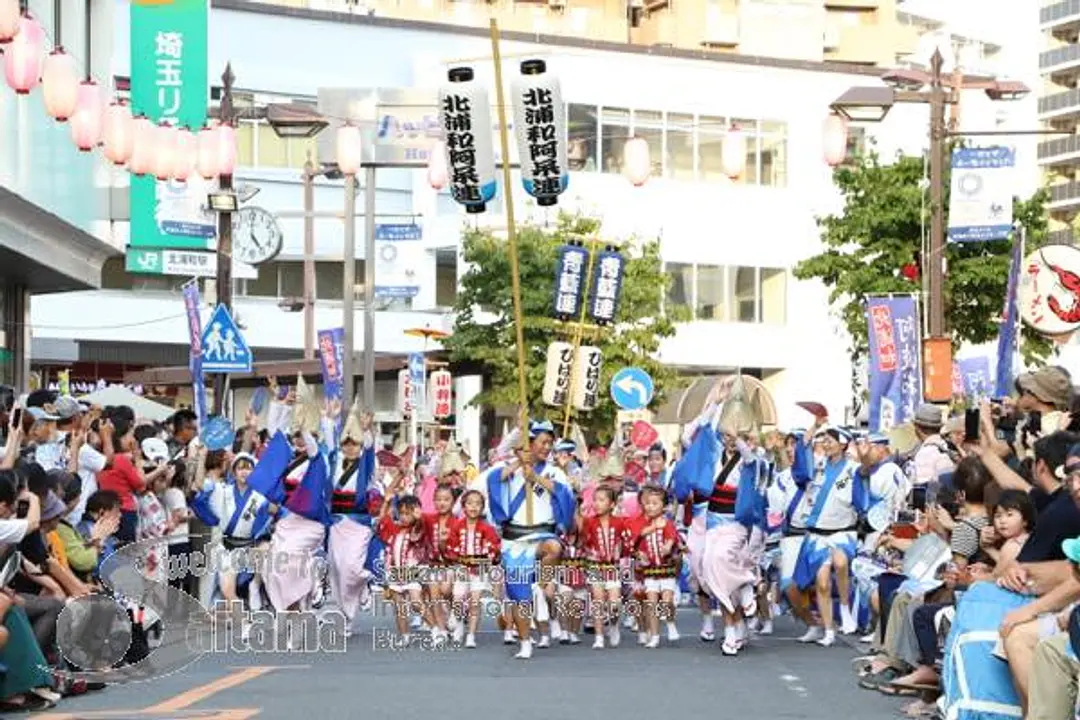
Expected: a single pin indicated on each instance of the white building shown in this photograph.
(729, 246)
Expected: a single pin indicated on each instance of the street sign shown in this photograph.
(587, 377)
(442, 394)
(417, 372)
(224, 349)
(632, 388)
(183, 263)
(643, 435)
(398, 253)
(560, 363)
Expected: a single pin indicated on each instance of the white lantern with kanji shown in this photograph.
(540, 127)
(465, 116)
(834, 137)
(733, 153)
(442, 394)
(636, 163)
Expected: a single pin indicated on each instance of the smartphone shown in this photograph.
(22, 509)
(16, 417)
(971, 426)
(1034, 424)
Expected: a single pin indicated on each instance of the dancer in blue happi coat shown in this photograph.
(530, 527)
(835, 496)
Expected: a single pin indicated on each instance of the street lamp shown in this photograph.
(872, 104)
(218, 146)
(349, 160)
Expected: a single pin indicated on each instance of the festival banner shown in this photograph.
(976, 382)
(1007, 339)
(332, 356)
(194, 323)
(169, 84)
(895, 378)
(981, 194)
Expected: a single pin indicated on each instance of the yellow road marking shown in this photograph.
(202, 692)
(230, 714)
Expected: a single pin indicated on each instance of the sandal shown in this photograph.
(897, 690)
(875, 680)
(30, 703)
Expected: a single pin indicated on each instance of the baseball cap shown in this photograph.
(41, 414)
(53, 507)
(67, 407)
(1071, 548)
(154, 449)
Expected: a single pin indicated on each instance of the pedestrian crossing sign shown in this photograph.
(224, 349)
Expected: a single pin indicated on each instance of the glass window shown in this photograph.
(445, 283)
(773, 296)
(613, 135)
(679, 147)
(649, 125)
(330, 280)
(273, 151)
(744, 294)
(582, 131)
(292, 279)
(710, 134)
(749, 129)
(266, 285)
(774, 160)
(245, 144)
(681, 292)
(711, 301)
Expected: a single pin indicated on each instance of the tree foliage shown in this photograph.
(484, 330)
(878, 234)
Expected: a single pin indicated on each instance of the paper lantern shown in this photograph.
(23, 56)
(436, 167)
(349, 155)
(87, 119)
(733, 153)
(465, 116)
(187, 151)
(60, 85)
(164, 152)
(834, 136)
(206, 158)
(141, 161)
(10, 13)
(226, 149)
(636, 163)
(118, 133)
(540, 127)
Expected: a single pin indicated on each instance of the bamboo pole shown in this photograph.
(515, 272)
(579, 330)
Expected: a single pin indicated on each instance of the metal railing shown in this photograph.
(1059, 56)
(1065, 192)
(1060, 146)
(1061, 237)
(1070, 99)
(1058, 11)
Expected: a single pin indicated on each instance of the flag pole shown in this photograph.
(579, 330)
(515, 272)
(1019, 259)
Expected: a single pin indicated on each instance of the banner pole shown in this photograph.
(579, 330)
(1018, 355)
(515, 271)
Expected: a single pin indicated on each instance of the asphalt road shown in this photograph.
(774, 678)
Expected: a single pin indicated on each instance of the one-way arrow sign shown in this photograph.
(632, 388)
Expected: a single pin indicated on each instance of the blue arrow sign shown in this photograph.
(217, 433)
(632, 388)
(224, 349)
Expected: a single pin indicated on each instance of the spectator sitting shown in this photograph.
(82, 553)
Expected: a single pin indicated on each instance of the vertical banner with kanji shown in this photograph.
(169, 84)
(442, 394)
(194, 323)
(895, 378)
(332, 357)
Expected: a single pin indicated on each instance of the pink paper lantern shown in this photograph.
(60, 85)
(86, 122)
(226, 139)
(141, 161)
(349, 155)
(733, 153)
(118, 134)
(834, 136)
(206, 159)
(437, 173)
(10, 13)
(164, 151)
(636, 163)
(23, 57)
(187, 150)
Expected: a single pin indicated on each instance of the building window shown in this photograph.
(614, 132)
(291, 282)
(711, 299)
(681, 292)
(649, 125)
(266, 284)
(679, 146)
(710, 143)
(582, 131)
(773, 153)
(729, 293)
(773, 295)
(330, 280)
(743, 288)
(445, 278)
(749, 130)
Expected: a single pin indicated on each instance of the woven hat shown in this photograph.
(451, 460)
(307, 415)
(353, 429)
(613, 465)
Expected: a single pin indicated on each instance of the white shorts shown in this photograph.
(661, 585)
(404, 588)
(606, 585)
(472, 585)
(790, 547)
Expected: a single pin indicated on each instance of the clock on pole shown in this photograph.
(257, 237)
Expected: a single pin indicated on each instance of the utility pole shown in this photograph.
(309, 259)
(224, 285)
(934, 265)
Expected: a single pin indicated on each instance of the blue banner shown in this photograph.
(332, 356)
(975, 375)
(981, 194)
(606, 286)
(1006, 349)
(570, 269)
(194, 322)
(895, 377)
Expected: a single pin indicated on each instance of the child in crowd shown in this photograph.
(1014, 519)
(605, 540)
(404, 540)
(656, 549)
(572, 592)
(475, 546)
(439, 586)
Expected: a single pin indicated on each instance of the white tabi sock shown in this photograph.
(541, 605)
(707, 625)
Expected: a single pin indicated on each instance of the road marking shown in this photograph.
(230, 714)
(202, 692)
(792, 683)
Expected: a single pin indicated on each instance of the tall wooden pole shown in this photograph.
(224, 285)
(935, 264)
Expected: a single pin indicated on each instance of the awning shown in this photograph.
(684, 406)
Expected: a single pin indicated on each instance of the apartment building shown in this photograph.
(1059, 109)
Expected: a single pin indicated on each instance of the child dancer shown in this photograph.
(439, 590)
(605, 539)
(404, 540)
(473, 544)
(656, 549)
(572, 591)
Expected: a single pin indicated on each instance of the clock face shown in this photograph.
(256, 236)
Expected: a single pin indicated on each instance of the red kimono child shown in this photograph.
(657, 552)
(605, 542)
(406, 542)
(473, 544)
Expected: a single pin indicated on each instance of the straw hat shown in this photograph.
(353, 429)
(307, 415)
(451, 460)
(612, 466)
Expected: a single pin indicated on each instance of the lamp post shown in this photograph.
(224, 202)
(349, 160)
(872, 104)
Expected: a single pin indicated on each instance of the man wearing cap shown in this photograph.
(530, 498)
(49, 451)
(932, 459)
(1047, 391)
(564, 458)
(888, 485)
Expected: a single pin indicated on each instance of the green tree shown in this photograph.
(868, 245)
(484, 332)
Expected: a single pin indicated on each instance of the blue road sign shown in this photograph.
(632, 388)
(224, 349)
(416, 368)
(217, 433)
